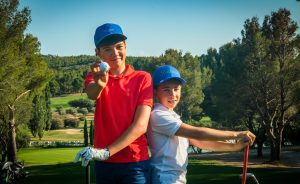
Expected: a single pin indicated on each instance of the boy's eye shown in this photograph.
(106, 49)
(119, 47)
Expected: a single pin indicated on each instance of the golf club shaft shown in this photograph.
(87, 174)
(246, 152)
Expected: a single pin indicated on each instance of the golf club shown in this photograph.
(246, 175)
(88, 174)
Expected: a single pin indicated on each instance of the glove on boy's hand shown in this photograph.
(88, 153)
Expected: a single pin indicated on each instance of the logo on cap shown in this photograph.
(165, 73)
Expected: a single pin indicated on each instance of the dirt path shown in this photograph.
(289, 159)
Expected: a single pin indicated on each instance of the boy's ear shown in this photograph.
(154, 92)
(97, 50)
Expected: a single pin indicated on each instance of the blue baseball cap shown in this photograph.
(106, 30)
(165, 73)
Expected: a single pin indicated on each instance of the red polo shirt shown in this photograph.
(115, 110)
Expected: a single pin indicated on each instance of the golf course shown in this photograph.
(55, 165)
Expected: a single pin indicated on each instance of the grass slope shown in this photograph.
(62, 135)
(63, 100)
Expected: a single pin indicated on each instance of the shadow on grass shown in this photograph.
(57, 174)
(209, 173)
(198, 172)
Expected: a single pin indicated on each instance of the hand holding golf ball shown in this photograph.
(104, 66)
(99, 71)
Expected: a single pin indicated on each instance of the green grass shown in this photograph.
(62, 135)
(209, 172)
(55, 165)
(63, 100)
(47, 156)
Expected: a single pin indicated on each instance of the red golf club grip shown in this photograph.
(246, 153)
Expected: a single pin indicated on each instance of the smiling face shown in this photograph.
(114, 55)
(169, 93)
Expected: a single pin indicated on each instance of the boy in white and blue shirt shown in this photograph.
(169, 137)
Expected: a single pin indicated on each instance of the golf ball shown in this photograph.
(104, 66)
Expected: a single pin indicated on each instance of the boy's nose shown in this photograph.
(172, 92)
(114, 52)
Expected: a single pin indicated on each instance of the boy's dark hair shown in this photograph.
(110, 40)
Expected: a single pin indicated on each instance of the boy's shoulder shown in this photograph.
(142, 72)
(159, 109)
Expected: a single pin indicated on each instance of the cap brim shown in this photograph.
(167, 79)
(111, 39)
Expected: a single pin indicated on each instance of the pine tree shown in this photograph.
(85, 133)
(91, 133)
(23, 69)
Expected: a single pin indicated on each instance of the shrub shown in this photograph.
(23, 136)
(56, 122)
(83, 103)
(71, 122)
(60, 110)
(84, 111)
(71, 111)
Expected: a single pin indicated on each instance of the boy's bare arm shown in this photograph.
(134, 131)
(218, 145)
(209, 134)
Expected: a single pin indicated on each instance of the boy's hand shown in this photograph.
(100, 73)
(88, 153)
(246, 136)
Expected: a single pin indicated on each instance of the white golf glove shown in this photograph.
(88, 153)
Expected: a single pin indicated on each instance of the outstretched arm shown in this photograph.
(210, 134)
(218, 145)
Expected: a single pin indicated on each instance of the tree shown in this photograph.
(37, 123)
(48, 116)
(273, 72)
(41, 114)
(85, 133)
(22, 71)
(92, 133)
(284, 48)
(256, 79)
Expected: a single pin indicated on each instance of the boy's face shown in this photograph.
(168, 93)
(114, 55)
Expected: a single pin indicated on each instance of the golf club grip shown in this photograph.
(246, 153)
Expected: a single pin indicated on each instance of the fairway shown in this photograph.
(47, 156)
(63, 100)
(74, 134)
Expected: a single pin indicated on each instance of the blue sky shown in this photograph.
(66, 27)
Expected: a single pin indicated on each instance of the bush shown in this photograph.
(60, 110)
(56, 122)
(23, 136)
(71, 122)
(81, 118)
(83, 103)
(84, 111)
(71, 111)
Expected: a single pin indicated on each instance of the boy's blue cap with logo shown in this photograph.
(165, 73)
(106, 30)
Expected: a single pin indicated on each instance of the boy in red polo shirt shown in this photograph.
(123, 105)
